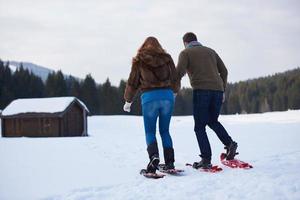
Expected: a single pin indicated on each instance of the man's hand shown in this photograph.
(223, 100)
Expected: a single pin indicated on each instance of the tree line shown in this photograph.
(273, 93)
(278, 92)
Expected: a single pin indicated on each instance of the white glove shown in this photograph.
(126, 106)
(223, 100)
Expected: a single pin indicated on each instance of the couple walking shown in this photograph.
(153, 73)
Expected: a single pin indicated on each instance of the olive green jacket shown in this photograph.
(204, 67)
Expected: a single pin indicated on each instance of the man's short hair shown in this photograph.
(189, 37)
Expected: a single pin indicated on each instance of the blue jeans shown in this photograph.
(161, 109)
(206, 109)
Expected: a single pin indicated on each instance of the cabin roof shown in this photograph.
(40, 105)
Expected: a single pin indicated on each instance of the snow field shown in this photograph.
(106, 164)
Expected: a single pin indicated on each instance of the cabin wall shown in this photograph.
(11, 128)
(73, 121)
(84, 115)
(49, 127)
(2, 128)
(31, 127)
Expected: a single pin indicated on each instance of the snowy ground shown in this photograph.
(106, 164)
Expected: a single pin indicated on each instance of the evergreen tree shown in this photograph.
(21, 79)
(56, 85)
(73, 87)
(36, 87)
(106, 97)
(6, 93)
(121, 101)
(89, 94)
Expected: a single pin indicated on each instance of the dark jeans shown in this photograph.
(206, 109)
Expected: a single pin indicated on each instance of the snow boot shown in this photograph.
(154, 158)
(203, 164)
(153, 164)
(169, 158)
(231, 150)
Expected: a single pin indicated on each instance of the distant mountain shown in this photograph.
(38, 70)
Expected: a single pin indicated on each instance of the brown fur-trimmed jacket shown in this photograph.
(151, 70)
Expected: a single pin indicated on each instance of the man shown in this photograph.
(208, 78)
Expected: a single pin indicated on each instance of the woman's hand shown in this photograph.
(127, 106)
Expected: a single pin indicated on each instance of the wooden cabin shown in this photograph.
(45, 117)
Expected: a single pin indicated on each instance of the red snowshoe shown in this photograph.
(234, 163)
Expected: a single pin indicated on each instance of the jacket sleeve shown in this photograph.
(133, 84)
(182, 65)
(222, 70)
(174, 77)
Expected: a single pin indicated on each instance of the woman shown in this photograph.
(153, 73)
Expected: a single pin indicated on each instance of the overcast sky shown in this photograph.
(253, 38)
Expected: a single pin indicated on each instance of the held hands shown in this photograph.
(127, 106)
